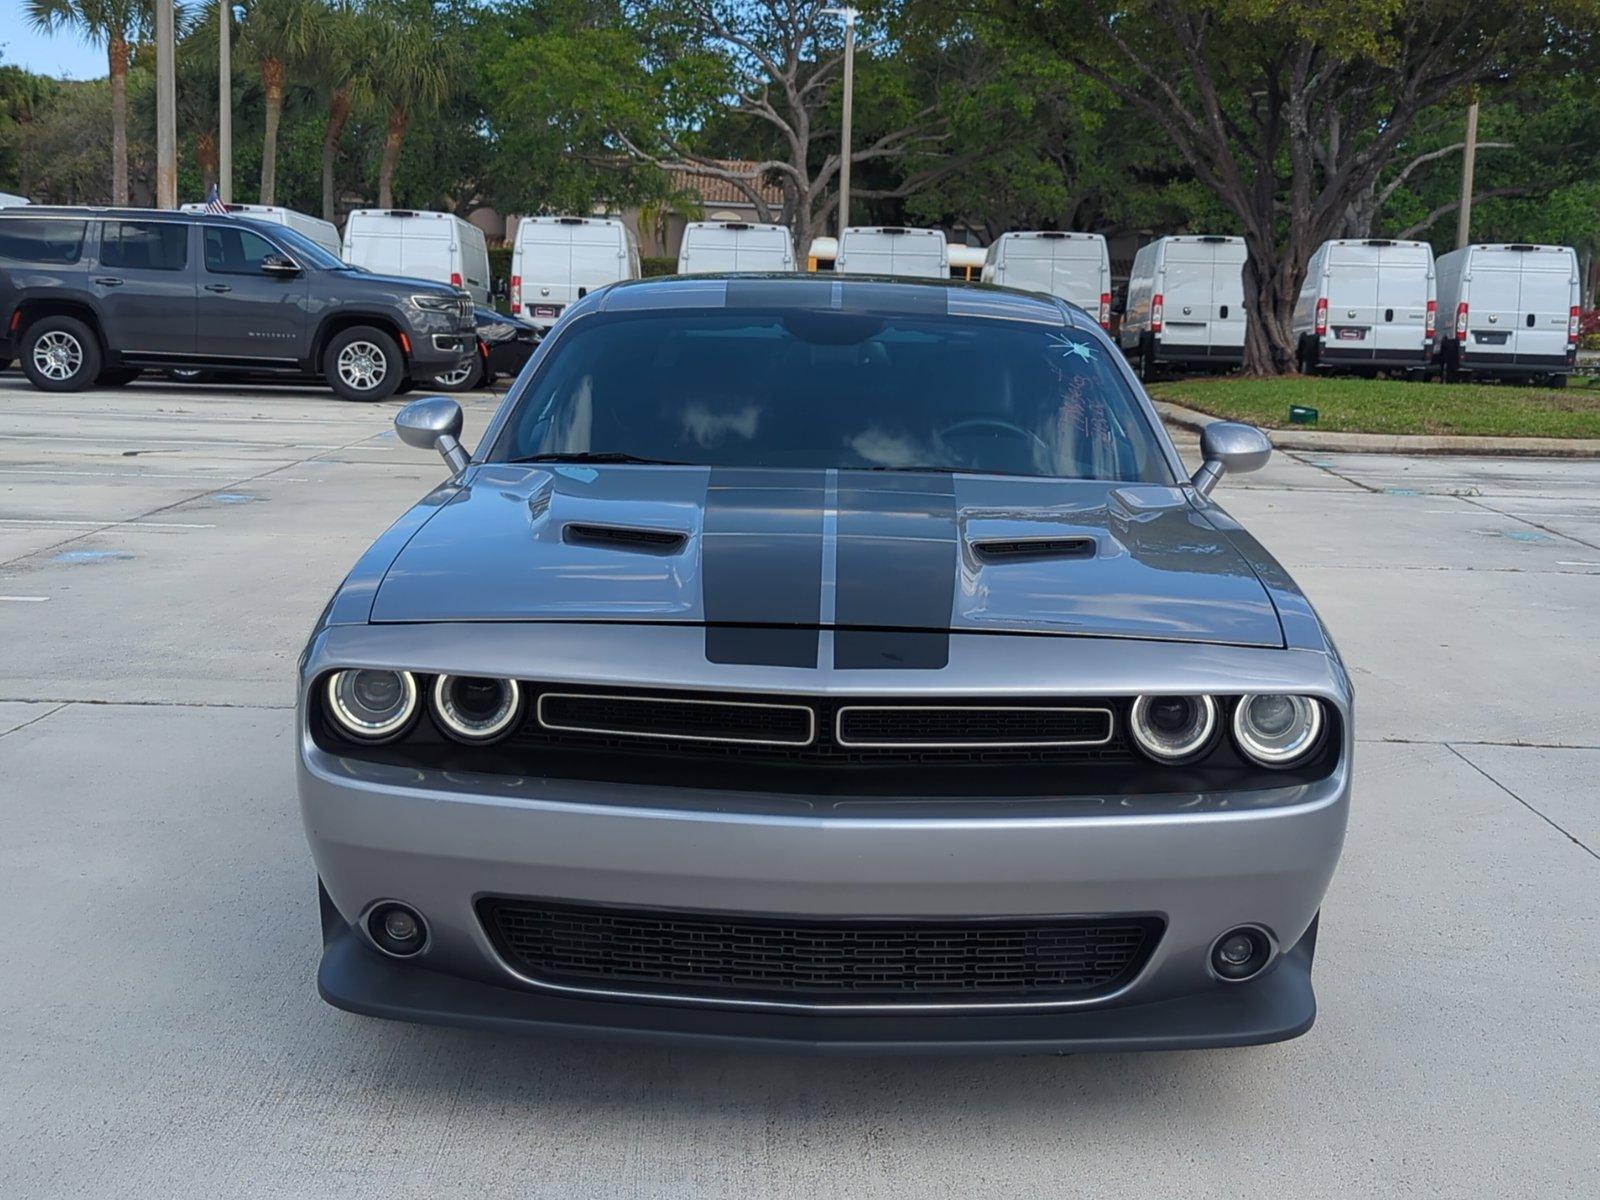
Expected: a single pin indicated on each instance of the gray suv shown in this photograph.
(94, 296)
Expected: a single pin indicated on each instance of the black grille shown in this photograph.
(839, 962)
(909, 725)
(690, 720)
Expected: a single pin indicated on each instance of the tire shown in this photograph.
(117, 378)
(1556, 381)
(1147, 359)
(190, 375)
(363, 364)
(1449, 368)
(60, 354)
(466, 376)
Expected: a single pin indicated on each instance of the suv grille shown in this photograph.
(696, 956)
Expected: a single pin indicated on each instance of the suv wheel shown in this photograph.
(363, 363)
(467, 375)
(60, 354)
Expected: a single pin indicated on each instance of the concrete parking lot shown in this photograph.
(163, 553)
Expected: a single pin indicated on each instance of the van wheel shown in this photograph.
(1449, 368)
(467, 375)
(1556, 381)
(363, 363)
(119, 378)
(1147, 358)
(60, 354)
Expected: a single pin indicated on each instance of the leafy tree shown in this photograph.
(1288, 111)
(117, 24)
(415, 70)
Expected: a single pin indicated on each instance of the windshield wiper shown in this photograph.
(601, 456)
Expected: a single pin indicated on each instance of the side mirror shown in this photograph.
(278, 264)
(1229, 447)
(434, 423)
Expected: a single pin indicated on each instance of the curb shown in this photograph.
(1397, 443)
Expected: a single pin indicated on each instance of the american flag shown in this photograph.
(214, 202)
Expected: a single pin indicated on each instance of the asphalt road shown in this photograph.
(163, 553)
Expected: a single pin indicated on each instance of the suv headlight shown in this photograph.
(447, 304)
(1276, 730)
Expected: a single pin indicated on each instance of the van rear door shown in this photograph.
(1544, 302)
(1352, 295)
(1401, 316)
(1493, 294)
(1059, 264)
(1202, 292)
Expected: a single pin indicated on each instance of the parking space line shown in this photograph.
(23, 599)
(109, 523)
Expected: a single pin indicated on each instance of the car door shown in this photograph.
(144, 281)
(249, 309)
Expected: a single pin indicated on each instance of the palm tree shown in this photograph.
(119, 24)
(414, 72)
(280, 35)
(340, 72)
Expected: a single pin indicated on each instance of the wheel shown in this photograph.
(1556, 381)
(1147, 358)
(60, 354)
(189, 375)
(467, 375)
(1449, 366)
(363, 363)
(117, 378)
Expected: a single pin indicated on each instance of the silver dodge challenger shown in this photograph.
(836, 663)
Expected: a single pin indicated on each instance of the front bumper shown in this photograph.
(1273, 1007)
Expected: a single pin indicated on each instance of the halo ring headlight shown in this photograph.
(372, 706)
(1173, 729)
(474, 708)
(1277, 730)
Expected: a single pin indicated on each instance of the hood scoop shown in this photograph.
(624, 537)
(1032, 549)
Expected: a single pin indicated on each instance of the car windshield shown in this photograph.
(302, 247)
(823, 389)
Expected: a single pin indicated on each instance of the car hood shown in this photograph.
(753, 550)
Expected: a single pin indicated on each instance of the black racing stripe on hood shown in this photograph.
(761, 566)
(898, 549)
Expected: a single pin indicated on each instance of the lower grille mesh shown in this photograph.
(840, 962)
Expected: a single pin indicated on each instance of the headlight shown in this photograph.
(475, 709)
(1173, 729)
(1277, 730)
(372, 705)
(449, 304)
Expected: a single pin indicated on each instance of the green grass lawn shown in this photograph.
(1396, 406)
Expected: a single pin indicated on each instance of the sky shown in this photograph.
(63, 54)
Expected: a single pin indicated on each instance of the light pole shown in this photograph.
(848, 16)
(225, 101)
(166, 108)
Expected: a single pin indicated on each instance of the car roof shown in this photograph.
(846, 293)
(138, 214)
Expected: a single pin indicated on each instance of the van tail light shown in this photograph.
(516, 294)
(1461, 322)
(1322, 316)
(1105, 311)
(1572, 325)
(1431, 321)
(455, 278)
(1157, 312)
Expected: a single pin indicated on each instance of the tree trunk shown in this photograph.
(272, 80)
(117, 54)
(205, 157)
(338, 114)
(399, 118)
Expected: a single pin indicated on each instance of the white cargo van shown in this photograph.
(1367, 304)
(424, 245)
(711, 246)
(1073, 266)
(1186, 303)
(1511, 310)
(556, 260)
(893, 250)
(323, 233)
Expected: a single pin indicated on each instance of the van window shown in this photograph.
(144, 245)
(236, 251)
(29, 240)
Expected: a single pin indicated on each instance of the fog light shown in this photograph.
(1240, 953)
(397, 929)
